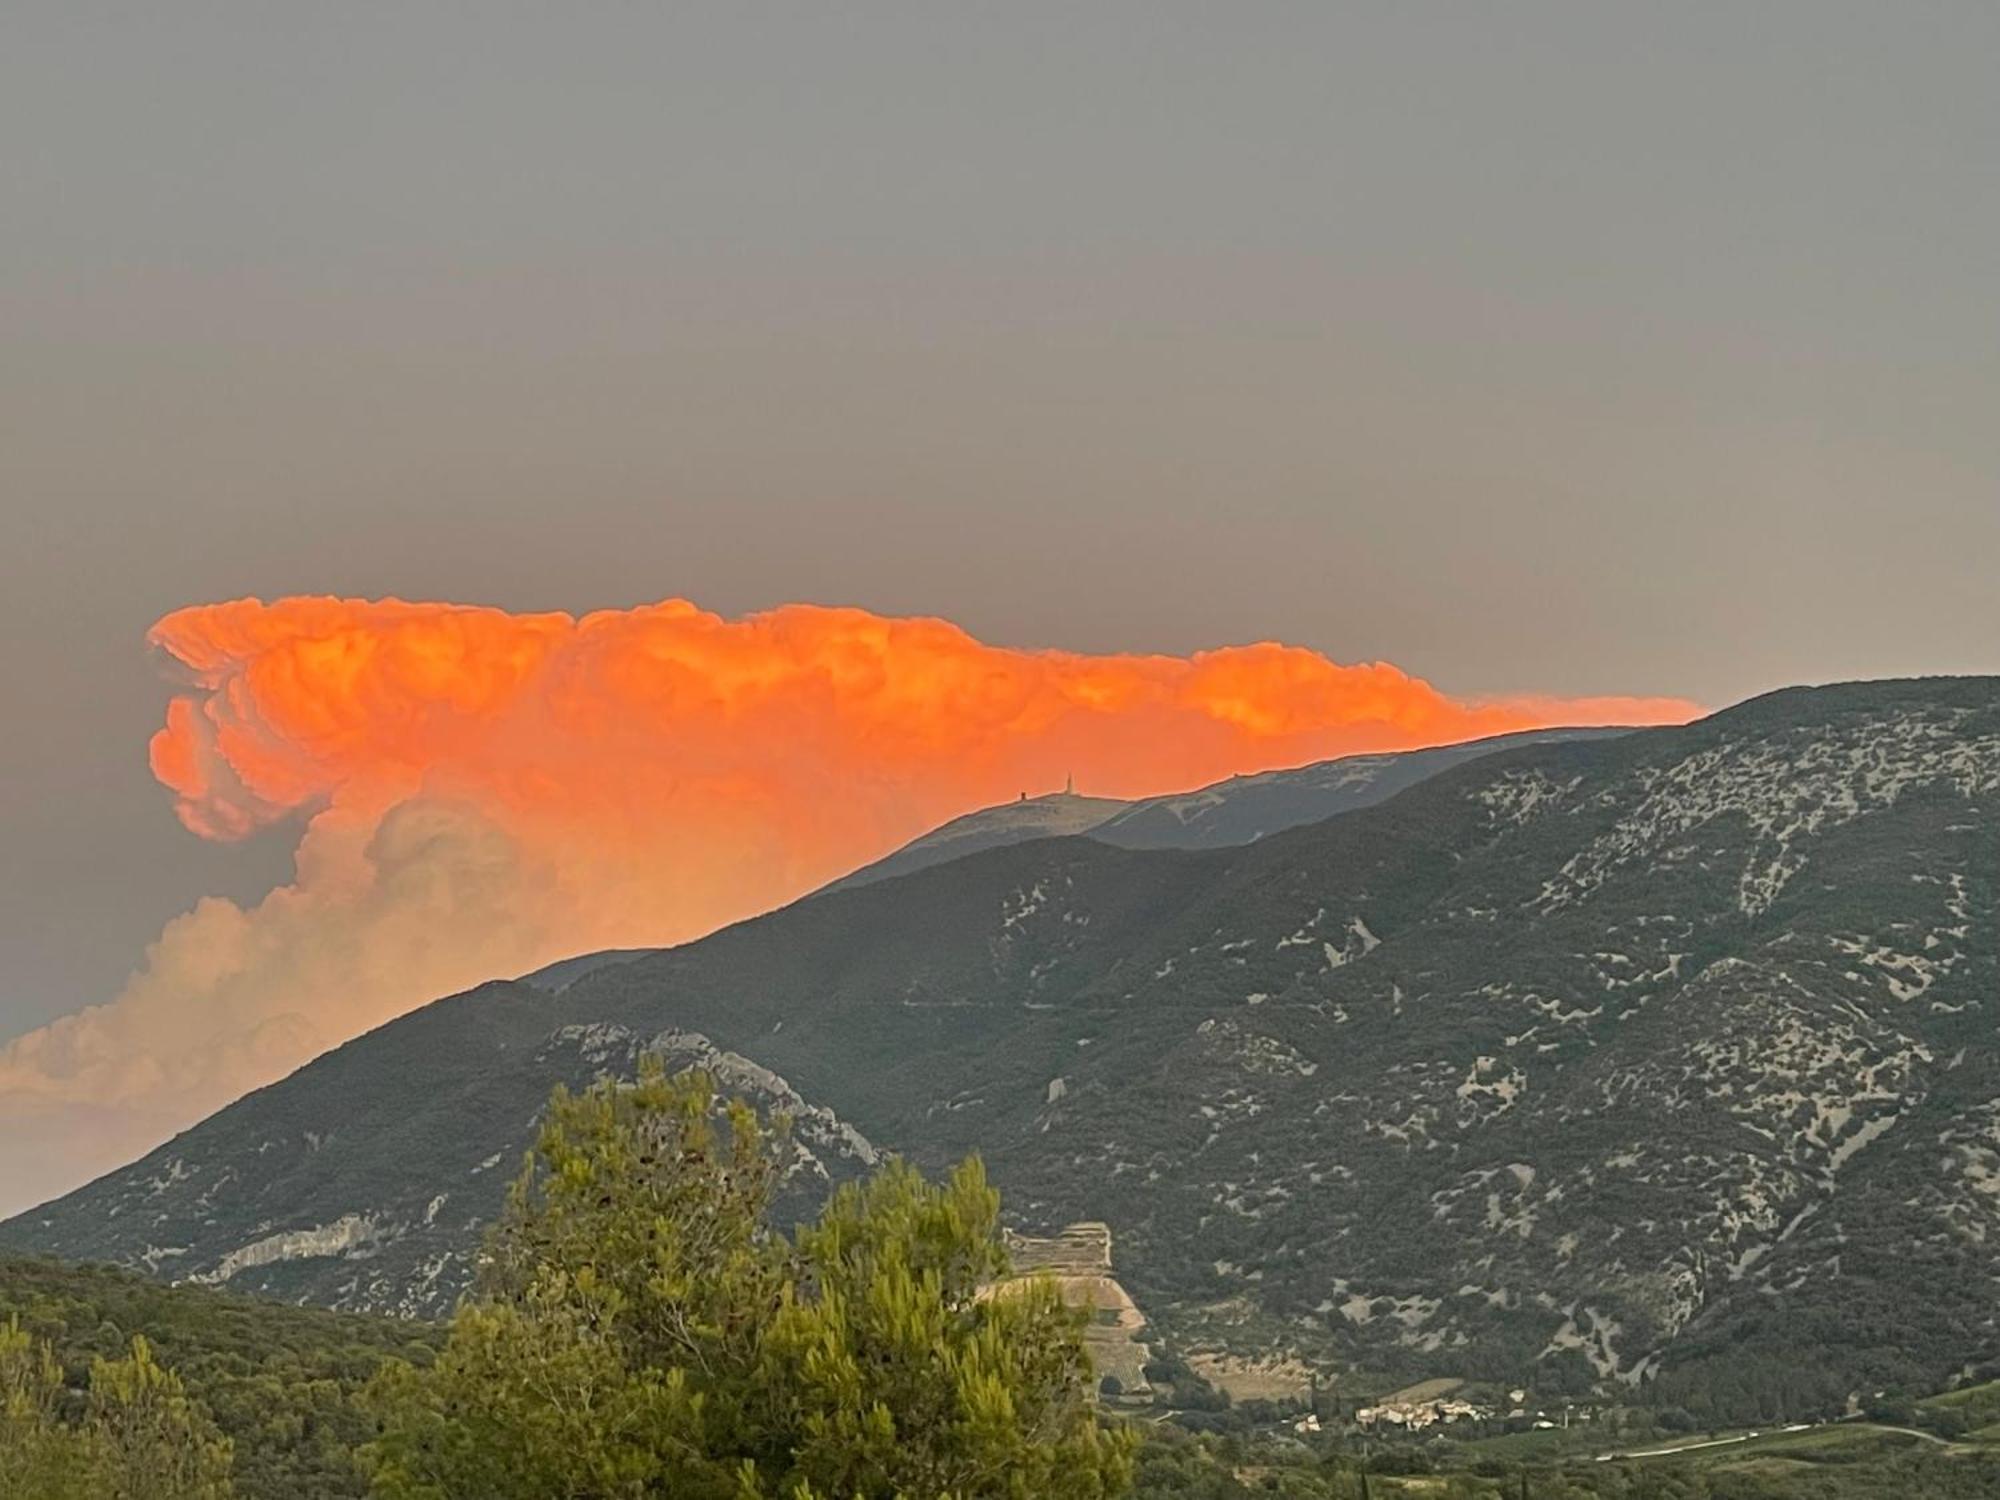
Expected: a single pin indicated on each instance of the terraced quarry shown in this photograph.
(1079, 1258)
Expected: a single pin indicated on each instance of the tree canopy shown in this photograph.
(646, 1332)
(136, 1436)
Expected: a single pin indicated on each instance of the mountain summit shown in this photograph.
(1048, 816)
(1240, 810)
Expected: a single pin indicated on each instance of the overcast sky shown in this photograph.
(1589, 349)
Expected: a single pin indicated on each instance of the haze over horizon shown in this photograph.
(1562, 353)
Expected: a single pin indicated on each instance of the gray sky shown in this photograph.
(1588, 348)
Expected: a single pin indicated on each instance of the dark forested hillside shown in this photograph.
(1662, 1063)
(281, 1382)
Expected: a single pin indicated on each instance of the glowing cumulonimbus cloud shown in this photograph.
(481, 792)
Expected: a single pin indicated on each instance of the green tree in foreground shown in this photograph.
(647, 1334)
(137, 1437)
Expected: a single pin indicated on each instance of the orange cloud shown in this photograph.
(835, 731)
(481, 792)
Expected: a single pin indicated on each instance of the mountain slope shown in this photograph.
(367, 1180)
(1597, 1060)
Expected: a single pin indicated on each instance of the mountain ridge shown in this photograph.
(1615, 1060)
(1235, 810)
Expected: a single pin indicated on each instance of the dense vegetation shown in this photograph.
(643, 1332)
(282, 1384)
(132, 1434)
(646, 1333)
(286, 1388)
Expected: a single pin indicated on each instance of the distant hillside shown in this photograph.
(419, 1129)
(1639, 1062)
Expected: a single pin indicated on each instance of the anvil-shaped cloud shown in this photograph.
(481, 792)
